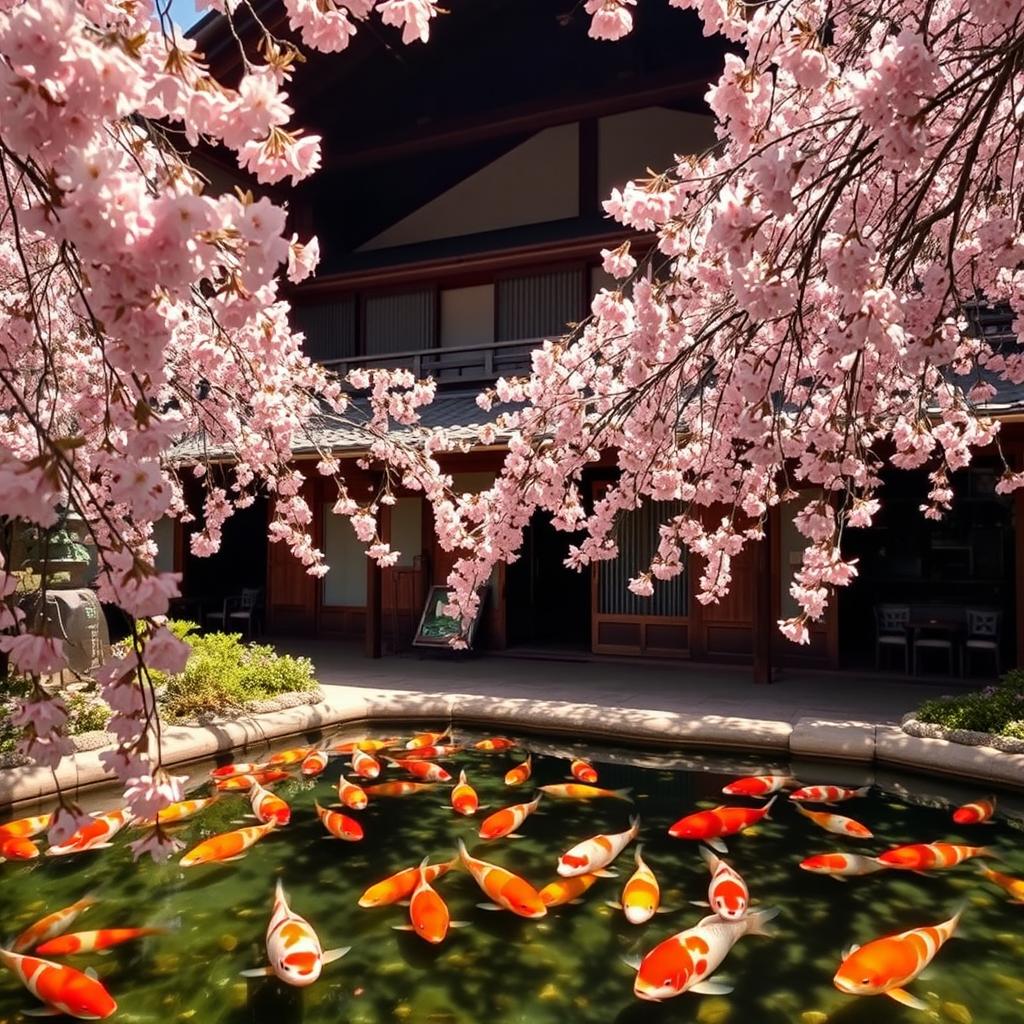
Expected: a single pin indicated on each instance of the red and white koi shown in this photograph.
(837, 824)
(243, 783)
(597, 852)
(94, 836)
(398, 788)
(366, 766)
(428, 913)
(341, 826)
(494, 743)
(568, 890)
(579, 791)
(583, 771)
(226, 846)
(95, 941)
(285, 758)
(931, 856)
(685, 962)
(293, 947)
(505, 890)
(52, 925)
(505, 822)
(1013, 887)
(314, 763)
(267, 806)
(365, 745)
(641, 895)
(520, 773)
(709, 826)
(980, 812)
(842, 865)
(25, 828)
(17, 848)
(464, 799)
(885, 966)
(728, 896)
(827, 794)
(402, 884)
(759, 785)
(352, 796)
(230, 771)
(431, 753)
(428, 739)
(426, 770)
(61, 988)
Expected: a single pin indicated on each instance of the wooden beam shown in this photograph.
(762, 624)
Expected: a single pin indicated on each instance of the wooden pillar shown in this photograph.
(762, 621)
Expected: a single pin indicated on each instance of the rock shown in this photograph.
(958, 1013)
(714, 1010)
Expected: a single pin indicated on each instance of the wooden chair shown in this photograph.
(983, 634)
(891, 632)
(246, 608)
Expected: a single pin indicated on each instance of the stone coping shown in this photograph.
(857, 743)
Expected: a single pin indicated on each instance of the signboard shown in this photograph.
(437, 629)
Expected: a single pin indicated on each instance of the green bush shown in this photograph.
(995, 709)
(86, 712)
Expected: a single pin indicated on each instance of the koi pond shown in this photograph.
(572, 962)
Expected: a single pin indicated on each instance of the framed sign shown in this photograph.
(436, 629)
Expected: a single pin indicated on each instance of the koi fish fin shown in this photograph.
(404, 903)
(767, 811)
(710, 859)
(607, 873)
(906, 999)
(576, 902)
(663, 910)
(632, 961)
(623, 794)
(90, 972)
(717, 845)
(228, 860)
(489, 906)
(42, 1011)
(614, 904)
(459, 924)
(863, 791)
(757, 922)
(402, 928)
(850, 950)
(699, 903)
(257, 972)
(839, 878)
(515, 835)
(710, 987)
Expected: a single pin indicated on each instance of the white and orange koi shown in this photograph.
(494, 744)
(341, 826)
(428, 739)
(426, 770)
(365, 745)
(931, 856)
(428, 913)
(685, 962)
(61, 988)
(842, 865)
(25, 828)
(759, 785)
(176, 813)
(505, 890)
(226, 846)
(431, 753)
(243, 783)
(597, 852)
(314, 763)
(568, 890)
(352, 796)
(17, 848)
(827, 794)
(267, 806)
(728, 896)
(366, 766)
(579, 791)
(641, 895)
(293, 947)
(52, 925)
(1013, 887)
(94, 836)
(401, 885)
(837, 824)
(285, 758)
(464, 799)
(230, 771)
(94, 941)
(885, 966)
(520, 773)
(505, 822)
(980, 812)
(583, 771)
(398, 788)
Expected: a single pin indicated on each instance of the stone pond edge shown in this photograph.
(849, 741)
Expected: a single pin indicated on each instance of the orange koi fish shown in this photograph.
(886, 965)
(268, 806)
(314, 763)
(505, 890)
(94, 836)
(284, 758)
(931, 856)
(827, 794)
(293, 948)
(63, 989)
(518, 775)
(351, 795)
(641, 894)
(94, 942)
(52, 925)
(431, 753)
(226, 846)
(583, 771)
(568, 890)
(978, 813)
(578, 791)
(505, 822)
(173, 814)
(494, 744)
(341, 826)
(17, 848)
(728, 896)
(842, 865)
(428, 913)
(366, 746)
(759, 785)
(425, 770)
(230, 771)
(597, 852)
(685, 962)
(398, 788)
(242, 783)
(837, 824)
(1014, 887)
(464, 799)
(428, 739)
(709, 826)
(400, 886)
(25, 828)
(366, 766)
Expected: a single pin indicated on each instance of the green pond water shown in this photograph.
(566, 967)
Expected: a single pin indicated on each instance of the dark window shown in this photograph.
(329, 327)
(539, 305)
(405, 322)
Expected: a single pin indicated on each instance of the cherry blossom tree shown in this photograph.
(796, 314)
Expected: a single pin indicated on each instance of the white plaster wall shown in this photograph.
(467, 315)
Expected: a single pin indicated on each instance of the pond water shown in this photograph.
(566, 967)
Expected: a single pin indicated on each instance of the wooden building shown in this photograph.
(459, 217)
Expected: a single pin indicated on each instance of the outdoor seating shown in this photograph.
(245, 608)
(891, 634)
(935, 629)
(983, 636)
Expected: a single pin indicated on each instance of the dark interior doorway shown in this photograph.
(548, 604)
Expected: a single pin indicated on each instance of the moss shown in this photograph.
(995, 709)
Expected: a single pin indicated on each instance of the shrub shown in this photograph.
(995, 709)
(86, 712)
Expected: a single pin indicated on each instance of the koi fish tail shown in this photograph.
(757, 921)
(953, 923)
(767, 812)
(634, 824)
(279, 896)
(710, 858)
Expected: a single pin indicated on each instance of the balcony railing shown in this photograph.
(457, 364)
